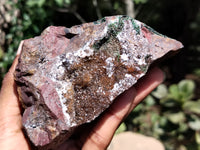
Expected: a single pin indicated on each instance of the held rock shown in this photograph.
(67, 77)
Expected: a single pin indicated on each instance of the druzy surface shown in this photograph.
(67, 77)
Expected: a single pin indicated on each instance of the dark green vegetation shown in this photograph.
(172, 112)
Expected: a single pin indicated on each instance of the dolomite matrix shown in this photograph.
(68, 76)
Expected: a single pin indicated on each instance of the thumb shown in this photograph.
(8, 93)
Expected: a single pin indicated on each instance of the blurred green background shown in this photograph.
(171, 113)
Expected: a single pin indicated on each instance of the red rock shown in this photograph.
(68, 76)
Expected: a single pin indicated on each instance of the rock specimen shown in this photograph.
(68, 76)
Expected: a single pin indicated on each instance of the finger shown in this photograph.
(103, 131)
(10, 117)
(147, 84)
(8, 89)
(8, 82)
(8, 93)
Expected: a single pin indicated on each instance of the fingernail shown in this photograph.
(160, 74)
(20, 48)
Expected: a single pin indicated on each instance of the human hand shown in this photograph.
(96, 135)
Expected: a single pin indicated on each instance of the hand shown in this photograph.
(95, 136)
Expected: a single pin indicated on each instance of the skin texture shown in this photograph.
(96, 135)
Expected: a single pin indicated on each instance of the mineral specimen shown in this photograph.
(68, 76)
